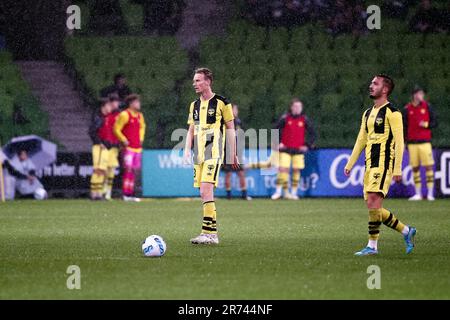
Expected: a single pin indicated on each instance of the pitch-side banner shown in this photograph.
(165, 175)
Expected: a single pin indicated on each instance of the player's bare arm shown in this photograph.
(188, 145)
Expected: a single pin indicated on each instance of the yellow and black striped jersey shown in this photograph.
(209, 118)
(381, 135)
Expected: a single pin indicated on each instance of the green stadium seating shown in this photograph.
(14, 91)
(153, 67)
(133, 14)
(261, 69)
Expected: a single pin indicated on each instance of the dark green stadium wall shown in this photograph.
(261, 69)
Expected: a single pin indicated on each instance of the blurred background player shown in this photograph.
(209, 116)
(295, 129)
(21, 176)
(381, 135)
(98, 131)
(129, 128)
(418, 120)
(113, 154)
(119, 88)
(228, 169)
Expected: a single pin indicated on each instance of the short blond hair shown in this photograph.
(206, 72)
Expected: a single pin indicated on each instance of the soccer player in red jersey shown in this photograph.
(129, 128)
(418, 120)
(295, 129)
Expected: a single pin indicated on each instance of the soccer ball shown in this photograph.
(40, 194)
(154, 246)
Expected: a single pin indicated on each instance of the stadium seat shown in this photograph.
(14, 91)
(301, 38)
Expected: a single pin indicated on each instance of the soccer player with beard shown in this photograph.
(381, 135)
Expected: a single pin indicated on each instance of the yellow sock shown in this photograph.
(295, 179)
(209, 218)
(110, 174)
(417, 182)
(214, 221)
(430, 179)
(374, 223)
(391, 221)
(97, 181)
(282, 180)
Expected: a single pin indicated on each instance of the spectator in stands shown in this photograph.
(119, 88)
(444, 20)
(341, 21)
(106, 18)
(426, 18)
(296, 12)
(396, 8)
(21, 176)
(161, 16)
(359, 20)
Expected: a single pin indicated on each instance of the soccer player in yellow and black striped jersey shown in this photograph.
(381, 135)
(210, 126)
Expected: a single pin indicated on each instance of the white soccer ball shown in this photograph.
(154, 246)
(40, 194)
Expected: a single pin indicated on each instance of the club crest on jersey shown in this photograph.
(211, 112)
(376, 175)
(379, 121)
(422, 111)
(210, 169)
(300, 124)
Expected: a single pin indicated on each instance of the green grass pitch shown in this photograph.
(268, 250)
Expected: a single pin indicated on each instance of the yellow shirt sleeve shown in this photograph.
(121, 121)
(227, 113)
(191, 114)
(396, 123)
(142, 129)
(360, 144)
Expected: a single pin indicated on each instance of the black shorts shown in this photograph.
(229, 168)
